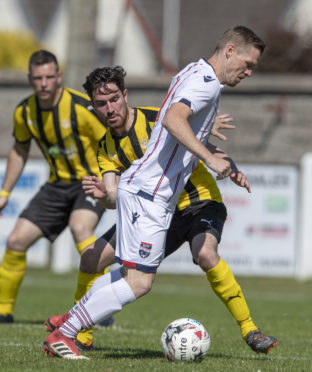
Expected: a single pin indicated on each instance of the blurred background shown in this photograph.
(267, 233)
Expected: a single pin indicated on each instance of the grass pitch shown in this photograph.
(281, 307)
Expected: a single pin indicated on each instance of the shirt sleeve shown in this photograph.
(107, 163)
(21, 131)
(89, 124)
(197, 91)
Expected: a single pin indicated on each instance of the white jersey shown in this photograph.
(162, 172)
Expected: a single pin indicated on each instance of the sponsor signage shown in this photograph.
(34, 175)
(258, 237)
(260, 231)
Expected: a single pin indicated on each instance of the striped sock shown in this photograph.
(93, 308)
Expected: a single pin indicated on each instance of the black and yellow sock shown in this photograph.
(85, 243)
(12, 272)
(228, 290)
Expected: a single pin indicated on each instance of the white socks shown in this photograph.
(99, 303)
(104, 280)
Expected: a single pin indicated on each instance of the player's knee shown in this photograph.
(80, 231)
(146, 287)
(142, 290)
(142, 285)
(207, 259)
(140, 282)
(16, 242)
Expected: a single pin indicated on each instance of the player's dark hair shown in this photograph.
(103, 76)
(242, 36)
(41, 57)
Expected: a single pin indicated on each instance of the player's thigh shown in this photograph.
(141, 231)
(177, 233)
(85, 215)
(97, 256)
(206, 233)
(209, 218)
(205, 250)
(107, 256)
(82, 223)
(24, 234)
(49, 210)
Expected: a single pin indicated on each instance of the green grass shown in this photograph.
(281, 307)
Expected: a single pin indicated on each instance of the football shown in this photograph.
(185, 340)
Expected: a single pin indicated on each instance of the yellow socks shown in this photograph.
(12, 272)
(85, 281)
(85, 337)
(227, 289)
(85, 243)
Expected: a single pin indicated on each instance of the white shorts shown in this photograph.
(141, 230)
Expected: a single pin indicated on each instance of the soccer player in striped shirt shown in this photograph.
(148, 191)
(65, 127)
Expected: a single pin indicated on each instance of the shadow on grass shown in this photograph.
(117, 353)
(240, 357)
(27, 322)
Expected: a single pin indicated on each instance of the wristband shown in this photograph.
(5, 193)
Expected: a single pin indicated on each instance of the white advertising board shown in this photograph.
(64, 255)
(258, 237)
(34, 175)
(260, 231)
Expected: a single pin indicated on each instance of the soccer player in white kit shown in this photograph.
(148, 191)
(150, 188)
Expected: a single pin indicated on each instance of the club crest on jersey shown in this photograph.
(145, 249)
(144, 142)
(65, 124)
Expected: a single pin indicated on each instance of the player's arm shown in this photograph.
(110, 183)
(176, 123)
(222, 122)
(237, 176)
(104, 190)
(17, 159)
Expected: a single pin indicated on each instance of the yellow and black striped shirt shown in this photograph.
(67, 134)
(117, 153)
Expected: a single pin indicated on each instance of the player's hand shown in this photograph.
(240, 179)
(93, 186)
(220, 165)
(222, 122)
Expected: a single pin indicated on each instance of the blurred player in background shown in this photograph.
(67, 130)
(198, 219)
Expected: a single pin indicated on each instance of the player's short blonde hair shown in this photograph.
(241, 36)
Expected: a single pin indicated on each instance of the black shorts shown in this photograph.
(204, 217)
(110, 236)
(51, 207)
